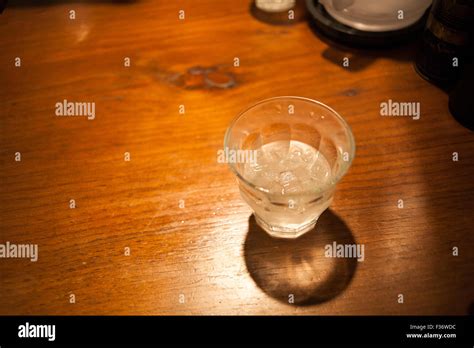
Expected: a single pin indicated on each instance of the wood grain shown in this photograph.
(210, 251)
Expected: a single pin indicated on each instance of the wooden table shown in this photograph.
(193, 248)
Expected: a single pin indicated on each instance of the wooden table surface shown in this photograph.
(205, 255)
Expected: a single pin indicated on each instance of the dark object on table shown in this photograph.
(447, 44)
(461, 101)
(341, 33)
(3, 5)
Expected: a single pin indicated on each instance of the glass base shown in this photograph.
(285, 232)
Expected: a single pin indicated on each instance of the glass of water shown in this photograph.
(288, 154)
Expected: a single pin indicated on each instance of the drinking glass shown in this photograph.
(288, 155)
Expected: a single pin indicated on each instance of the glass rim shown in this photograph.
(342, 171)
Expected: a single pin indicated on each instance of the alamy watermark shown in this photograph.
(393, 108)
(345, 251)
(66, 108)
(236, 156)
(25, 251)
(28, 330)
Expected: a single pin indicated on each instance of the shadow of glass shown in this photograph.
(297, 269)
